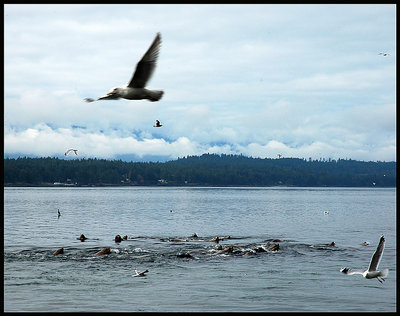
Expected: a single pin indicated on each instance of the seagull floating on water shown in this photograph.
(140, 274)
(372, 271)
(69, 150)
(135, 89)
(158, 124)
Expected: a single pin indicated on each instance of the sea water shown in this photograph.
(195, 274)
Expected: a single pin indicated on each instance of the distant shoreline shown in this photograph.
(208, 170)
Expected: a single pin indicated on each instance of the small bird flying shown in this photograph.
(372, 271)
(383, 54)
(158, 124)
(135, 89)
(69, 150)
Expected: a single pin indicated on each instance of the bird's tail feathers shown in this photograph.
(155, 95)
(384, 273)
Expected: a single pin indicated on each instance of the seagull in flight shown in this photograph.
(384, 54)
(140, 274)
(372, 271)
(135, 89)
(69, 150)
(157, 124)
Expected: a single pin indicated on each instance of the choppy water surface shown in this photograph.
(196, 274)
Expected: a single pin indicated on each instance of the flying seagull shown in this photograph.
(157, 124)
(384, 54)
(69, 150)
(372, 271)
(140, 274)
(135, 89)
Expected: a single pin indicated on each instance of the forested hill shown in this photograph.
(205, 170)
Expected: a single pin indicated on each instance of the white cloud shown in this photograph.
(307, 77)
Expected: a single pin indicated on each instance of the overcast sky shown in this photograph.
(259, 80)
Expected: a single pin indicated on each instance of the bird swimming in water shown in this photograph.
(69, 150)
(135, 89)
(158, 124)
(372, 271)
(141, 274)
(82, 237)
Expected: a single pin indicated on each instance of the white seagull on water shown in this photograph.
(135, 89)
(140, 274)
(372, 271)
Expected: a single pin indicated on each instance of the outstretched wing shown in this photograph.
(350, 271)
(140, 273)
(111, 96)
(145, 67)
(376, 258)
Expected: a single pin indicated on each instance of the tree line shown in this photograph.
(204, 170)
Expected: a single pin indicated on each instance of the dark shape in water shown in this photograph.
(104, 251)
(82, 237)
(184, 255)
(58, 251)
(274, 247)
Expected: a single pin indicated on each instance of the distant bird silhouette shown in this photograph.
(279, 155)
(58, 213)
(135, 89)
(384, 54)
(157, 124)
(69, 150)
(140, 274)
(372, 272)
